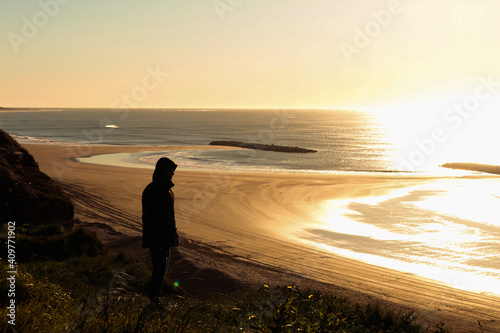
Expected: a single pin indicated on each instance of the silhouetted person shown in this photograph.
(159, 232)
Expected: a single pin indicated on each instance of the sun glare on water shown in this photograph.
(458, 124)
(447, 231)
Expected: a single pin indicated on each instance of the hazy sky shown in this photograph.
(243, 53)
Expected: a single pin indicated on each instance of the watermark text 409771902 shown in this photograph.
(11, 273)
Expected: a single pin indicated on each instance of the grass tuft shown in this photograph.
(48, 242)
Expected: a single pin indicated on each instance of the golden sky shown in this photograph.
(244, 53)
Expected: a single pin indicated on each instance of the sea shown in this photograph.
(345, 140)
(447, 230)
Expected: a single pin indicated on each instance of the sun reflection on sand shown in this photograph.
(447, 231)
(455, 278)
(478, 200)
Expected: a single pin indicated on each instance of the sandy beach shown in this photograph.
(232, 228)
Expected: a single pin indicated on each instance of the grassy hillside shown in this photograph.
(103, 294)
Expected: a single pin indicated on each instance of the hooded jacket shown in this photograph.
(158, 218)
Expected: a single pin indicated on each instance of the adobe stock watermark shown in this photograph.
(292, 278)
(151, 81)
(153, 78)
(202, 198)
(453, 118)
(224, 6)
(364, 36)
(266, 135)
(100, 303)
(31, 26)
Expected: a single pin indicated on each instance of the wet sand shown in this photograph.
(231, 227)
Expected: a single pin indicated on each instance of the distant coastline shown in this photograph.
(493, 169)
(3, 109)
(258, 146)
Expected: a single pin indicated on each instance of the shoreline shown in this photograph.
(224, 220)
(110, 158)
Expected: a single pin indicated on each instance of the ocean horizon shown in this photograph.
(345, 140)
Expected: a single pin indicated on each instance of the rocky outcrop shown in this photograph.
(259, 146)
(494, 169)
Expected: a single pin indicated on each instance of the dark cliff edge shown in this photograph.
(36, 212)
(27, 195)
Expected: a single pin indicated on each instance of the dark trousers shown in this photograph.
(159, 259)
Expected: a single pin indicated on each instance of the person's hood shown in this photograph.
(163, 165)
